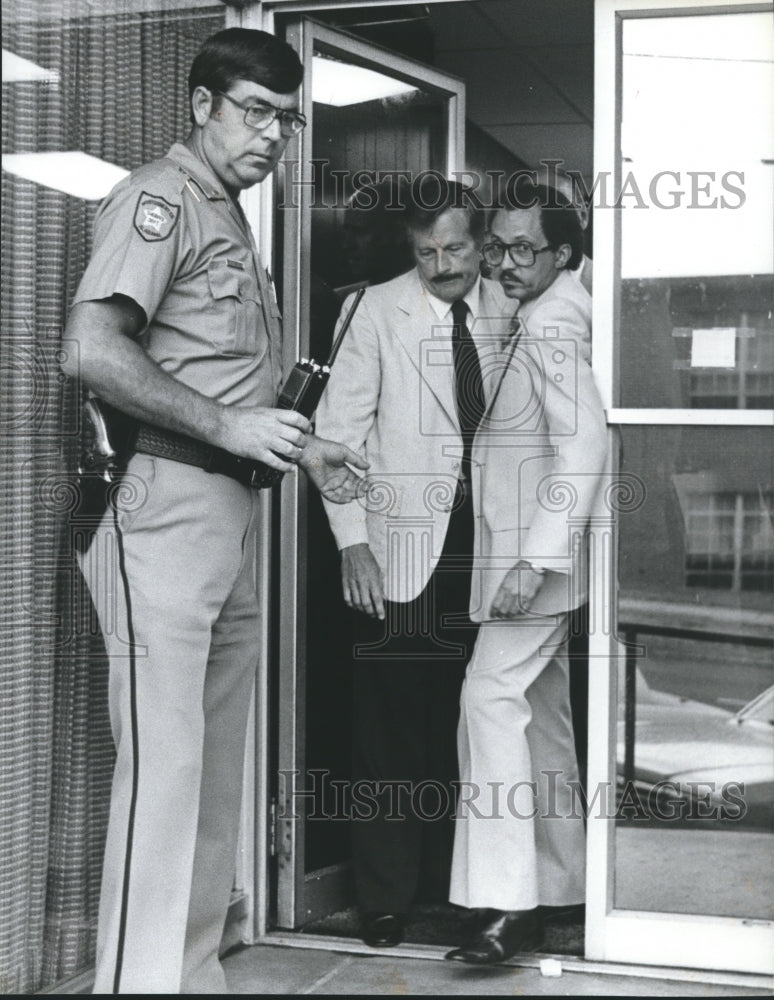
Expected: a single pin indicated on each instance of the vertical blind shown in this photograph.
(108, 79)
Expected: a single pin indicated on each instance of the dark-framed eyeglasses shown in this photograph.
(259, 115)
(521, 253)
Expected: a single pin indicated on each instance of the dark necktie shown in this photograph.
(467, 379)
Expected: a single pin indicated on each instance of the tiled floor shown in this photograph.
(343, 967)
(295, 965)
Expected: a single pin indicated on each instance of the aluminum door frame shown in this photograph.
(302, 896)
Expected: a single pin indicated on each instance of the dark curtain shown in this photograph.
(120, 95)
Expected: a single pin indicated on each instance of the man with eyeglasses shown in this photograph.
(519, 834)
(178, 330)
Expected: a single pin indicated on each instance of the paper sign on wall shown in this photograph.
(714, 348)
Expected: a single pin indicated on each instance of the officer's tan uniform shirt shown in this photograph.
(170, 238)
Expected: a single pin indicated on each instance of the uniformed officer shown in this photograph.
(177, 327)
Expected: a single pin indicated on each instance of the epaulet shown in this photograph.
(167, 171)
(193, 186)
(182, 179)
(162, 171)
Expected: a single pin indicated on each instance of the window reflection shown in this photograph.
(728, 543)
(696, 690)
(698, 343)
(696, 203)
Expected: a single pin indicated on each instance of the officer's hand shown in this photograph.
(517, 591)
(361, 580)
(276, 437)
(327, 463)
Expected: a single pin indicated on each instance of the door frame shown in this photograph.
(303, 896)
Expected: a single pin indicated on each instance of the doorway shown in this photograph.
(427, 118)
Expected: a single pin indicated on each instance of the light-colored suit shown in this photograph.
(391, 398)
(537, 458)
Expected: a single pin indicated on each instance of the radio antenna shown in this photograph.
(345, 326)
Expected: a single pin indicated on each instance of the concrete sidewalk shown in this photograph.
(287, 965)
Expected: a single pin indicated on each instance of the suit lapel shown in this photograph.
(519, 328)
(427, 341)
(494, 342)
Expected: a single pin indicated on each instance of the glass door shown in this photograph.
(681, 812)
(374, 118)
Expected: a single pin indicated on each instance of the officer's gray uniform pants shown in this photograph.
(176, 602)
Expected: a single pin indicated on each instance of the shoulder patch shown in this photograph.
(155, 218)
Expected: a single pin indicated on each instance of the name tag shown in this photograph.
(236, 264)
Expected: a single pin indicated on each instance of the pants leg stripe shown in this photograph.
(135, 755)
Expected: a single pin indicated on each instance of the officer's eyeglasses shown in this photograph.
(260, 116)
(521, 253)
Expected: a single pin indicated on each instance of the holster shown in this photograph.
(106, 443)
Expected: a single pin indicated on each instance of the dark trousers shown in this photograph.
(408, 672)
(578, 649)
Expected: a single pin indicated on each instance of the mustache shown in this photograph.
(442, 278)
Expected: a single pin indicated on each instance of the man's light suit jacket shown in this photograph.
(539, 453)
(391, 397)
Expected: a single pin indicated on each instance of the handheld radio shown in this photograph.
(302, 392)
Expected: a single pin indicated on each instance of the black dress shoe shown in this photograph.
(504, 936)
(382, 930)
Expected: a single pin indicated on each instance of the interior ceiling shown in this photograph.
(528, 65)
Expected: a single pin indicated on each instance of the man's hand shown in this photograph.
(361, 580)
(517, 591)
(327, 465)
(276, 437)
(111, 362)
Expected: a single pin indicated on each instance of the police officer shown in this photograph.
(177, 327)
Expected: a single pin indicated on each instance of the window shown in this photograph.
(730, 541)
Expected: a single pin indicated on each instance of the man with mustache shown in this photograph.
(407, 391)
(519, 843)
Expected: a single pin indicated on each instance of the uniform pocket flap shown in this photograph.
(224, 282)
(231, 279)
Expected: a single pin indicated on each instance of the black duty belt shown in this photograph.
(181, 448)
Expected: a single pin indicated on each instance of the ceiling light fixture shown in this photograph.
(340, 84)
